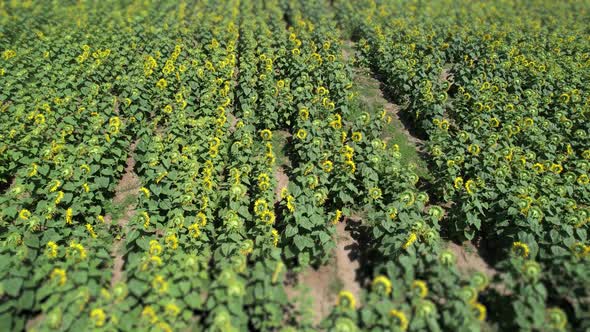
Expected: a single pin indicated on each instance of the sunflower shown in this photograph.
(556, 168)
(357, 136)
(470, 186)
(583, 179)
(266, 134)
(494, 122)
(194, 230)
(60, 275)
(275, 237)
(539, 168)
(375, 193)
(91, 231)
(408, 197)
(410, 240)
(162, 84)
(479, 311)
(172, 309)
(468, 294)
(268, 217)
(160, 284)
(425, 308)
(260, 206)
(171, 241)
(444, 124)
(327, 166)
(474, 149)
(51, 250)
(580, 250)
(301, 134)
(304, 114)
(381, 284)
(531, 270)
(556, 318)
(520, 249)
(400, 318)
(337, 217)
(392, 213)
(351, 166)
(155, 248)
(458, 183)
(24, 214)
(479, 280)
(145, 191)
(69, 215)
(337, 122)
(346, 300)
(149, 313)
(291, 203)
(420, 288)
(98, 317)
(436, 212)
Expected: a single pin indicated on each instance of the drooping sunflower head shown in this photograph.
(392, 212)
(458, 183)
(222, 321)
(470, 186)
(419, 288)
(399, 319)
(556, 318)
(447, 257)
(520, 249)
(479, 310)
(436, 212)
(344, 324)
(246, 247)
(346, 300)
(474, 149)
(468, 294)
(422, 197)
(480, 280)
(408, 197)
(580, 250)
(155, 248)
(425, 309)
(98, 317)
(381, 285)
(531, 270)
(357, 136)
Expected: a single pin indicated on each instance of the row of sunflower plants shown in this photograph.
(62, 106)
(507, 124)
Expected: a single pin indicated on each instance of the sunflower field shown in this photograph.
(183, 165)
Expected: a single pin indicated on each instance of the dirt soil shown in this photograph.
(282, 182)
(325, 282)
(469, 261)
(128, 186)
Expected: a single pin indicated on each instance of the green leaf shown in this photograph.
(193, 300)
(12, 286)
(137, 288)
(27, 300)
(31, 240)
(300, 242)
